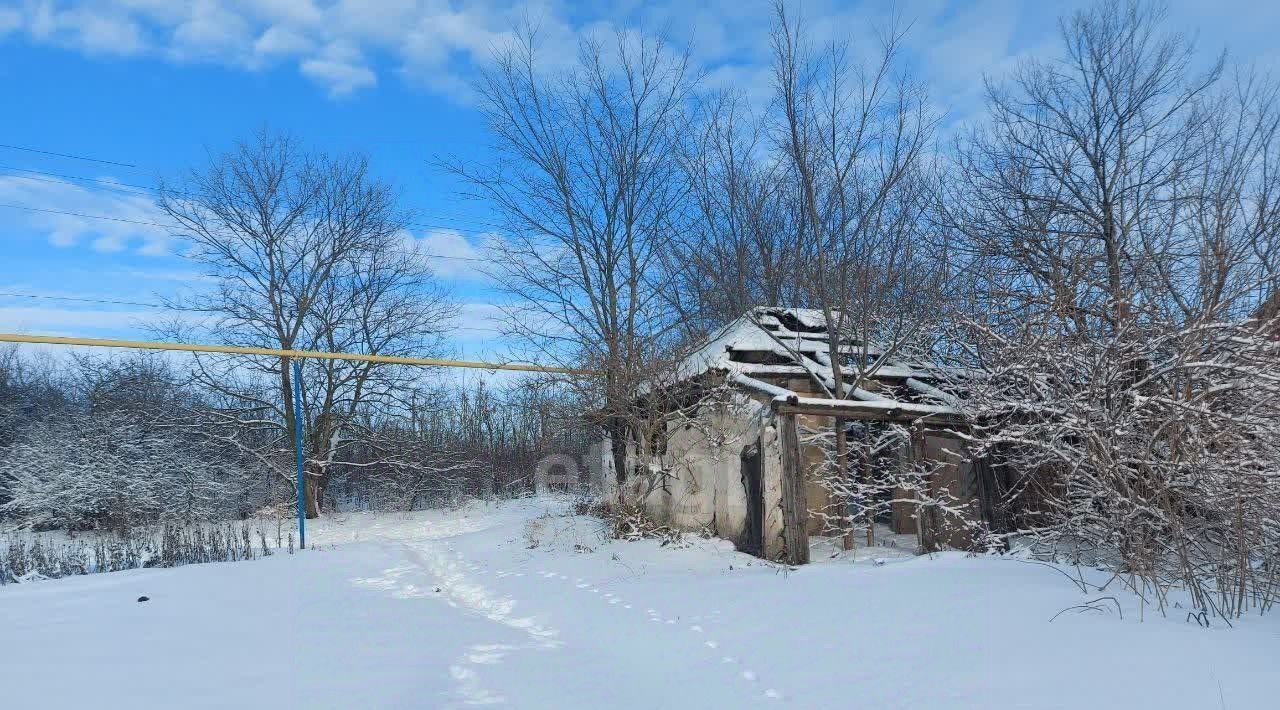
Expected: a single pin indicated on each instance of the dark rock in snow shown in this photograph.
(144, 599)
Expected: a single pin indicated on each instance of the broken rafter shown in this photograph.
(868, 410)
(761, 387)
(930, 391)
(785, 401)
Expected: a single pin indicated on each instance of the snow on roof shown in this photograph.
(806, 317)
(763, 330)
(780, 333)
(793, 342)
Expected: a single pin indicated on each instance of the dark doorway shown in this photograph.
(752, 541)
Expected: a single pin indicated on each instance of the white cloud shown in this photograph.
(298, 12)
(212, 31)
(481, 317)
(341, 69)
(434, 42)
(10, 20)
(135, 222)
(957, 58)
(88, 29)
(63, 238)
(42, 320)
(279, 40)
(344, 45)
(109, 243)
(451, 254)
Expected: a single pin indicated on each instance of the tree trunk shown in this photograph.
(795, 506)
(842, 475)
(865, 464)
(314, 492)
(617, 430)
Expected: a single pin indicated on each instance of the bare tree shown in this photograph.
(307, 252)
(853, 136)
(586, 178)
(29, 391)
(1121, 212)
(736, 250)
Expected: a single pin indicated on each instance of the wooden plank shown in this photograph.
(926, 519)
(795, 503)
(872, 411)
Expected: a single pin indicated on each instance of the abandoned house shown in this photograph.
(736, 446)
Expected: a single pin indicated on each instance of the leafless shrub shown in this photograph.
(886, 478)
(631, 522)
(1121, 216)
(114, 470)
(26, 558)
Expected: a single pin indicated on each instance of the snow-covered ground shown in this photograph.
(523, 605)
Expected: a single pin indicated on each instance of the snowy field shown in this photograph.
(522, 605)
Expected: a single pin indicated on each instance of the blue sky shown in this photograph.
(153, 83)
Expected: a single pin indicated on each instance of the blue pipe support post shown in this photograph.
(297, 445)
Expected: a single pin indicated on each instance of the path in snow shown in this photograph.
(484, 672)
(521, 606)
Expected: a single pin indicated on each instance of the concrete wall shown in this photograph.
(599, 464)
(698, 482)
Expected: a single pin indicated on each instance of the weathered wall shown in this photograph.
(699, 484)
(599, 465)
(698, 481)
(812, 460)
(772, 450)
(703, 485)
(954, 479)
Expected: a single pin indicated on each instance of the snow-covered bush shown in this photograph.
(630, 522)
(115, 470)
(1154, 453)
(29, 557)
(1121, 216)
(882, 474)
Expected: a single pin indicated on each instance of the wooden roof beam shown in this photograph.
(881, 411)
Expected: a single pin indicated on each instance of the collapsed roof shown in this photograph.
(769, 346)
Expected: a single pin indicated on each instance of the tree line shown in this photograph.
(119, 443)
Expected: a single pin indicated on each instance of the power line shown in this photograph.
(83, 300)
(111, 184)
(168, 226)
(113, 302)
(67, 155)
(121, 187)
(86, 216)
